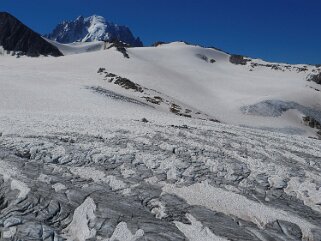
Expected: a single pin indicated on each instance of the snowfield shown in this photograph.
(99, 146)
(180, 73)
(78, 48)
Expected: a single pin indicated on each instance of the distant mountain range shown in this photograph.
(93, 28)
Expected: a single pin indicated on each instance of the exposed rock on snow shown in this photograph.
(315, 78)
(114, 95)
(152, 98)
(279, 67)
(239, 60)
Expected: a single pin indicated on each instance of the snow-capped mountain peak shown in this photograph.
(90, 29)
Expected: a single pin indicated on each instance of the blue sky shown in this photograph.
(275, 30)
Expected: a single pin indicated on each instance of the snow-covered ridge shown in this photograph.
(93, 28)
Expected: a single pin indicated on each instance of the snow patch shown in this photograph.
(79, 229)
(196, 231)
(126, 172)
(122, 233)
(9, 233)
(10, 173)
(305, 190)
(21, 187)
(44, 178)
(7, 170)
(229, 203)
(99, 176)
(158, 208)
(59, 187)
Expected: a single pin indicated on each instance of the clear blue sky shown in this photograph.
(275, 30)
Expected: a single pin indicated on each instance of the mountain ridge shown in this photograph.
(18, 38)
(93, 28)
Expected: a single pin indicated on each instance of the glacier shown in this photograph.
(97, 146)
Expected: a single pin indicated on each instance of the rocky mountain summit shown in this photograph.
(17, 38)
(93, 28)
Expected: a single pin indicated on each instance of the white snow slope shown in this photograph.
(178, 72)
(78, 47)
(78, 162)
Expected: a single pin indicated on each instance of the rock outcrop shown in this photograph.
(17, 38)
(238, 59)
(315, 78)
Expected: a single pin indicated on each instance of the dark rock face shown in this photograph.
(158, 43)
(315, 78)
(313, 123)
(94, 28)
(280, 67)
(205, 58)
(120, 46)
(15, 36)
(238, 59)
